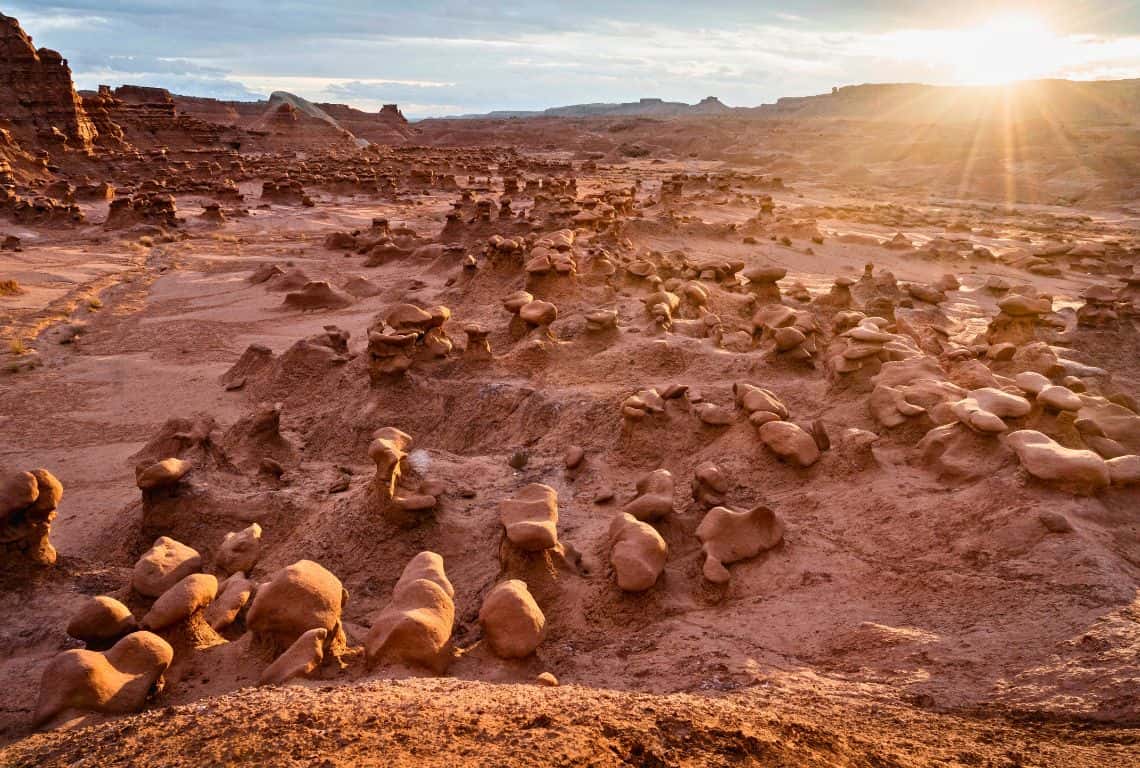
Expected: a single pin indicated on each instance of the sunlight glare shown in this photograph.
(1004, 49)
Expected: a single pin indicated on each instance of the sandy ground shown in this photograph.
(905, 620)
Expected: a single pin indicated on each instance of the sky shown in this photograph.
(449, 57)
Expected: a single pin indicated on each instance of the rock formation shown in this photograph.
(530, 517)
(165, 564)
(28, 501)
(115, 682)
(239, 551)
(36, 95)
(729, 535)
(302, 658)
(637, 553)
(512, 621)
(295, 599)
(101, 620)
(415, 627)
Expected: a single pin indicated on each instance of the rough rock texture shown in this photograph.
(36, 95)
(165, 564)
(240, 549)
(28, 502)
(802, 259)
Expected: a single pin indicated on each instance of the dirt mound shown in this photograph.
(444, 722)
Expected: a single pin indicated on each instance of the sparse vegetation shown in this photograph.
(95, 302)
(17, 347)
(10, 288)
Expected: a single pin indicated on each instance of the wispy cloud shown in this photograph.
(524, 55)
(52, 21)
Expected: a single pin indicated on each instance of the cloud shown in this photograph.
(57, 20)
(460, 56)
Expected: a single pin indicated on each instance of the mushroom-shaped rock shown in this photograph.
(713, 415)
(530, 517)
(755, 399)
(318, 294)
(1124, 470)
(984, 409)
(161, 474)
(654, 498)
(162, 566)
(729, 535)
(100, 620)
(1032, 382)
(1046, 459)
(361, 287)
(642, 268)
(661, 306)
(18, 491)
(921, 379)
(301, 658)
(772, 317)
(181, 601)
(516, 301)
(1099, 308)
(390, 354)
(643, 403)
(538, 312)
(117, 681)
(840, 296)
(478, 342)
(511, 620)
(409, 317)
(788, 338)
(1059, 398)
(1018, 305)
(709, 485)
(601, 320)
(240, 550)
(297, 598)
(233, 595)
(637, 553)
(415, 627)
(387, 450)
(28, 501)
(763, 279)
(790, 442)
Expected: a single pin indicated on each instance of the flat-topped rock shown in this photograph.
(530, 517)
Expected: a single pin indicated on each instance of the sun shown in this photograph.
(1004, 49)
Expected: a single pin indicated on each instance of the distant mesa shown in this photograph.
(647, 107)
(1087, 101)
